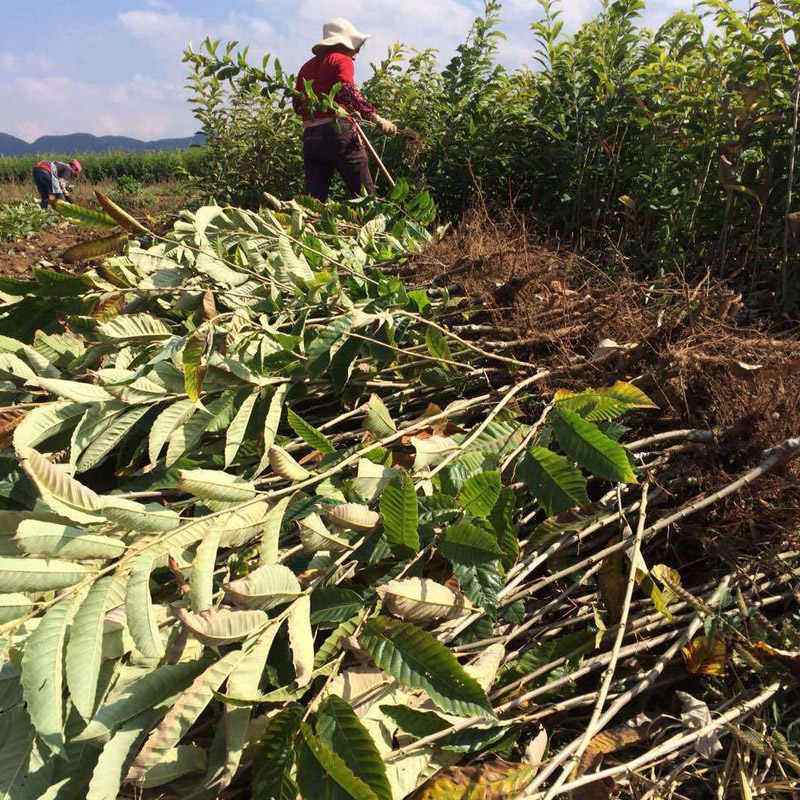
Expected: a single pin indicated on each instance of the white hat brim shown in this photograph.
(353, 42)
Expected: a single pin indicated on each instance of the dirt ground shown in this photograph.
(155, 204)
(708, 360)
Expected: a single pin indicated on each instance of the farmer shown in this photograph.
(332, 144)
(51, 178)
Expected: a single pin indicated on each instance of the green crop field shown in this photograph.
(147, 167)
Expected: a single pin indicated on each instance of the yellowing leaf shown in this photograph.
(422, 600)
(706, 656)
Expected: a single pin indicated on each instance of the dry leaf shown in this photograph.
(422, 600)
(491, 780)
(695, 715)
(612, 582)
(705, 656)
(788, 659)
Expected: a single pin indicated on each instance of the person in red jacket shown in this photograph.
(51, 179)
(331, 143)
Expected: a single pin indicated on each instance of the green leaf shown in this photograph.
(159, 687)
(552, 480)
(479, 494)
(43, 675)
(301, 639)
(272, 779)
(419, 661)
(323, 774)
(193, 370)
(166, 423)
(309, 434)
(333, 644)
(400, 515)
(85, 648)
(135, 327)
(481, 583)
(115, 758)
(502, 520)
(235, 434)
(39, 538)
(214, 484)
(182, 715)
(272, 524)
(39, 575)
(417, 723)
(13, 606)
(100, 448)
(378, 420)
(465, 543)
(267, 586)
(141, 617)
(271, 423)
(18, 757)
(187, 435)
(132, 516)
(74, 390)
(583, 442)
(201, 581)
(333, 604)
(41, 424)
(436, 343)
(339, 728)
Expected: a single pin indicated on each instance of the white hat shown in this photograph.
(340, 31)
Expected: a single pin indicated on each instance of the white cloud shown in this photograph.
(141, 107)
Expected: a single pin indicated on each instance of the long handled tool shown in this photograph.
(374, 153)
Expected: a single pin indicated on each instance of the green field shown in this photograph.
(147, 167)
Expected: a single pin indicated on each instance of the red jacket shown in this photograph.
(324, 72)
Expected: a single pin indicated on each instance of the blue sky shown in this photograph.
(113, 66)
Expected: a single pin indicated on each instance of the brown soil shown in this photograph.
(706, 359)
(17, 259)
(157, 206)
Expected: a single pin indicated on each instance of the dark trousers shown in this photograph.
(46, 185)
(335, 147)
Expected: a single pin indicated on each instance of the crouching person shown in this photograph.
(51, 179)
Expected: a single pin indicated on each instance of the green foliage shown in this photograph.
(144, 167)
(195, 606)
(23, 219)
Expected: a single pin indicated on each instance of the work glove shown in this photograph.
(387, 126)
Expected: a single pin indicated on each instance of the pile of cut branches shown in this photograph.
(271, 527)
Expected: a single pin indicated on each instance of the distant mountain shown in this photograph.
(88, 143)
(11, 146)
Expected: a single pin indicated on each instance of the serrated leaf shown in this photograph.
(322, 773)
(51, 539)
(43, 676)
(64, 494)
(166, 423)
(422, 600)
(334, 604)
(135, 327)
(271, 423)
(187, 435)
(301, 639)
(481, 583)
(152, 689)
(339, 728)
(552, 480)
(134, 516)
(39, 574)
(41, 424)
(270, 537)
(502, 520)
(314, 536)
(141, 617)
(479, 494)
(400, 514)
(218, 627)
(101, 447)
(193, 369)
(418, 661)
(286, 467)
(214, 484)
(272, 778)
(85, 648)
(465, 543)
(235, 434)
(378, 420)
(309, 434)
(75, 391)
(201, 581)
(489, 780)
(333, 644)
(182, 715)
(13, 606)
(95, 248)
(267, 586)
(583, 442)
